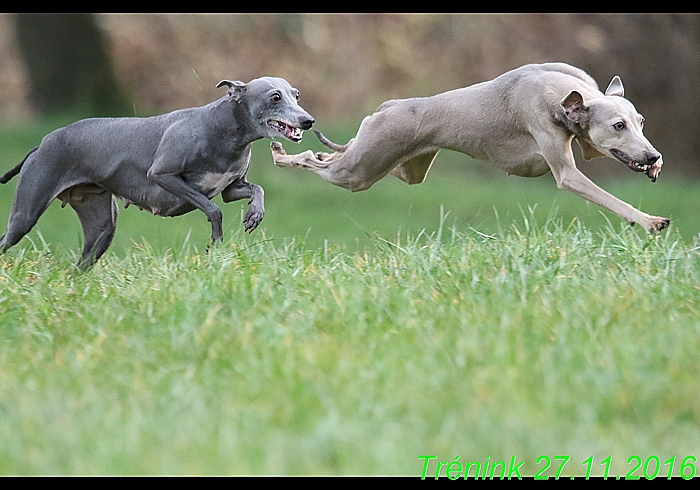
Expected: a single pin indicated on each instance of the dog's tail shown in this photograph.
(15, 170)
(329, 143)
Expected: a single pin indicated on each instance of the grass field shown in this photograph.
(475, 315)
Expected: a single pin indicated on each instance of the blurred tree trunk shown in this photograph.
(68, 66)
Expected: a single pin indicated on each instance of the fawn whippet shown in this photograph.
(522, 121)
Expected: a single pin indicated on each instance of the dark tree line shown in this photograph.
(68, 64)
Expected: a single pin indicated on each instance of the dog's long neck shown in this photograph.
(229, 123)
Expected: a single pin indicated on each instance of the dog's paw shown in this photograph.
(657, 223)
(252, 219)
(322, 157)
(213, 244)
(277, 148)
(279, 156)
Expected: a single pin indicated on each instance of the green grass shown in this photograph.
(354, 333)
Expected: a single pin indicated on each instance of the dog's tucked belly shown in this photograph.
(517, 155)
(151, 197)
(534, 168)
(159, 201)
(133, 187)
(530, 164)
(147, 195)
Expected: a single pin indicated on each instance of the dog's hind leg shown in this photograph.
(21, 222)
(97, 212)
(388, 138)
(35, 191)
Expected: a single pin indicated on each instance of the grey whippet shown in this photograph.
(522, 121)
(169, 164)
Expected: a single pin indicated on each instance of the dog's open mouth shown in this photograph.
(289, 132)
(631, 164)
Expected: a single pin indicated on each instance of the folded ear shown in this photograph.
(574, 107)
(615, 87)
(235, 89)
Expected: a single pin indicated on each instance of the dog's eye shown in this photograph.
(619, 126)
(275, 97)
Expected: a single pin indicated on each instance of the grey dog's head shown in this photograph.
(272, 106)
(612, 127)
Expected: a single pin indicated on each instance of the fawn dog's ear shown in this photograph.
(615, 87)
(574, 107)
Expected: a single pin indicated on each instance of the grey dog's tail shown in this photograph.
(15, 170)
(329, 143)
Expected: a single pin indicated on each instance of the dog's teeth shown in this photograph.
(287, 130)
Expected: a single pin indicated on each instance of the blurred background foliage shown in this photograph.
(345, 65)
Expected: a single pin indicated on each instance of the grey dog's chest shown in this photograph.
(211, 181)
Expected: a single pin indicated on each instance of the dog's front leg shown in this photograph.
(241, 189)
(174, 184)
(561, 161)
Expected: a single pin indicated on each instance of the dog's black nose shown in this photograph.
(651, 157)
(307, 123)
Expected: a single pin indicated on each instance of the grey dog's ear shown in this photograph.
(615, 87)
(574, 107)
(235, 89)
